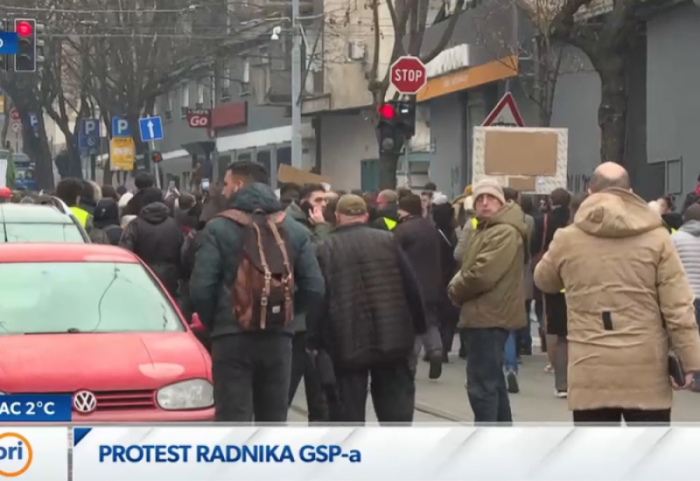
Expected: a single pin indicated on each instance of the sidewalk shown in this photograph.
(447, 397)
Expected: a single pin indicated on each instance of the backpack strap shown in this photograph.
(267, 276)
(237, 216)
(288, 279)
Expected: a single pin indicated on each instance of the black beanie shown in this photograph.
(411, 203)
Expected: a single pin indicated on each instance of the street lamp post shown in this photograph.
(297, 149)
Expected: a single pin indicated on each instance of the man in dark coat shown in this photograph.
(420, 240)
(155, 237)
(142, 181)
(373, 311)
(251, 369)
(302, 363)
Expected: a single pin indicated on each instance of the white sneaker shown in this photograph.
(560, 394)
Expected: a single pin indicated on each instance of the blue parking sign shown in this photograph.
(120, 127)
(89, 136)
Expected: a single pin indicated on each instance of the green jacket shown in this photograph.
(316, 233)
(218, 253)
(489, 286)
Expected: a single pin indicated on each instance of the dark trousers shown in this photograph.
(616, 415)
(486, 385)
(393, 393)
(448, 317)
(303, 366)
(251, 377)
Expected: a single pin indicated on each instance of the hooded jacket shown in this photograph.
(687, 242)
(489, 286)
(219, 252)
(155, 237)
(628, 301)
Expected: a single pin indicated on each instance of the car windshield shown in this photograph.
(82, 297)
(25, 232)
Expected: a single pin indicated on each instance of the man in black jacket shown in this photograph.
(142, 181)
(155, 237)
(373, 311)
(420, 240)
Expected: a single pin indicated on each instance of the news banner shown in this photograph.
(38, 442)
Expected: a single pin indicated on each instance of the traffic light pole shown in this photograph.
(297, 149)
(156, 167)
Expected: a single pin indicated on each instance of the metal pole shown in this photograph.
(157, 168)
(297, 152)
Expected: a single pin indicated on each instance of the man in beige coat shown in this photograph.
(628, 303)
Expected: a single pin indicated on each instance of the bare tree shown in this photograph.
(608, 38)
(409, 19)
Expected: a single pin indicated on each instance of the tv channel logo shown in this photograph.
(16, 455)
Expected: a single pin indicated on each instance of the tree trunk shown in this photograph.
(388, 164)
(612, 113)
(36, 146)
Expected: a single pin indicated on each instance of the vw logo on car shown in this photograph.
(84, 402)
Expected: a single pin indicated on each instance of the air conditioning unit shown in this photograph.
(356, 51)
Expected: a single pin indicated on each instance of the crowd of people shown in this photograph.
(350, 291)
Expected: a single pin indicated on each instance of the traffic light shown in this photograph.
(156, 157)
(397, 124)
(26, 58)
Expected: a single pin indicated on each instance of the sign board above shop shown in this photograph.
(455, 58)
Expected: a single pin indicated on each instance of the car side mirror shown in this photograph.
(196, 324)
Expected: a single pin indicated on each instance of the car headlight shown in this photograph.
(192, 394)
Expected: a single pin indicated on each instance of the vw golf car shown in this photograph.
(92, 321)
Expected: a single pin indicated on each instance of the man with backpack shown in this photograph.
(254, 269)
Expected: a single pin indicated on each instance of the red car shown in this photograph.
(93, 321)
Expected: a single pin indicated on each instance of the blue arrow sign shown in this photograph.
(120, 127)
(151, 129)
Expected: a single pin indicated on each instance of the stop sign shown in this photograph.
(408, 75)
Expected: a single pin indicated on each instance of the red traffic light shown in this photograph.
(24, 29)
(156, 157)
(387, 111)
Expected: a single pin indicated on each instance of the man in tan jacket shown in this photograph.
(628, 303)
(489, 290)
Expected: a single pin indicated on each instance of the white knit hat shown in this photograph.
(439, 198)
(124, 199)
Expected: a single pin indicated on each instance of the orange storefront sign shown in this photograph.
(468, 78)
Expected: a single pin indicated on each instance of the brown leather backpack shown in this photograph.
(263, 292)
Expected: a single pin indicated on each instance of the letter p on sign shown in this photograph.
(408, 75)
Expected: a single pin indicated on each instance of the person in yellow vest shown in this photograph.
(387, 210)
(69, 191)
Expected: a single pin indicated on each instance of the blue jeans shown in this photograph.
(510, 352)
(486, 385)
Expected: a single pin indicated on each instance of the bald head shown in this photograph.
(607, 176)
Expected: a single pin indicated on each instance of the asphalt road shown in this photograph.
(445, 400)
